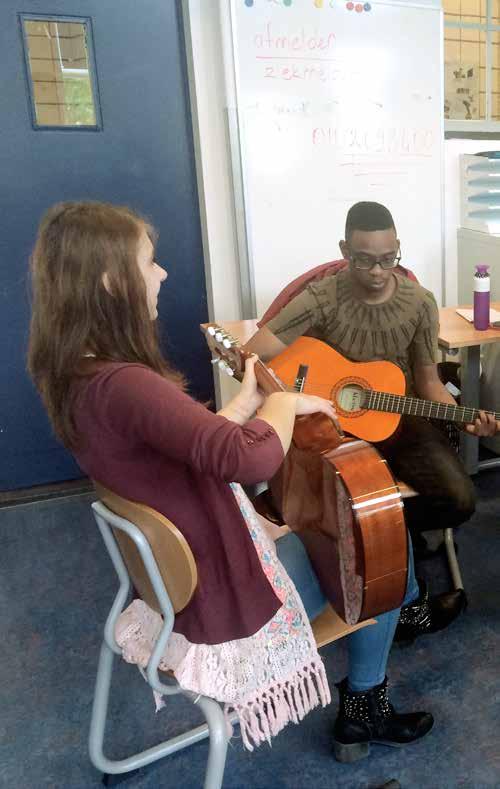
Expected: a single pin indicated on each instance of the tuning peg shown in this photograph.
(211, 330)
(227, 343)
(224, 367)
(218, 336)
(214, 360)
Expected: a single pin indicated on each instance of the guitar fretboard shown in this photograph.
(401, 404)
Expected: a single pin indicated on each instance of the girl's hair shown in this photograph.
(75, 314)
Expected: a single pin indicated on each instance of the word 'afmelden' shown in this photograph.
(302, 41)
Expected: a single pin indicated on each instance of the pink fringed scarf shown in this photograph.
(269, 679)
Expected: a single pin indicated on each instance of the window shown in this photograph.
(472, 65)
(61, 74)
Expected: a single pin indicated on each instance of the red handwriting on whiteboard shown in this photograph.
(393, 140)
(306, 41)
(300, 71)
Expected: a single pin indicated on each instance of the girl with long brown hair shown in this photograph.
(114, 400)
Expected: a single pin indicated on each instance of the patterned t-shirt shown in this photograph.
(403, 329)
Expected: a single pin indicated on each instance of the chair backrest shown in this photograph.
(172, 553)
(297, 285)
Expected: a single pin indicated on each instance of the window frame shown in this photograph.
(486, 125)
(87, 21)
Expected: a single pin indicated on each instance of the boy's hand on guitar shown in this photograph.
(486, 425)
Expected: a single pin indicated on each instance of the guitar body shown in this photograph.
(347, 510)
(333, 376)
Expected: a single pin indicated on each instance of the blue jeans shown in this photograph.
(369, 647)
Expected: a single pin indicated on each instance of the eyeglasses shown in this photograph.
(366, 262)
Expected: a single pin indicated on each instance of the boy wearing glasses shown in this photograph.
(368, 312)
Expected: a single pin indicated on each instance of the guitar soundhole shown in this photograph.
(350, 398)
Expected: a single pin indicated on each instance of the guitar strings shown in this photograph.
(406, 404)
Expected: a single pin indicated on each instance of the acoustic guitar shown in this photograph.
(369, 397)
(339, 495)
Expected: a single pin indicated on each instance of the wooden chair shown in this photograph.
(149, 551)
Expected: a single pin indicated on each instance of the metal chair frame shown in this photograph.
(215, 728)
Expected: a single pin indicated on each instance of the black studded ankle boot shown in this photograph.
(429, 614)
(367, 717)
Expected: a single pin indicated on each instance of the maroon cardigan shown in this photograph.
(148, 441)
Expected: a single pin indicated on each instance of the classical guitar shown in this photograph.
(369, 397)
(340, 496)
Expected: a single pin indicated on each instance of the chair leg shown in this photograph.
(218, 742)
(452, 559)
(216, 730)
(100, 709)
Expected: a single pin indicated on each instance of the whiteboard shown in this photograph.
(335, 106)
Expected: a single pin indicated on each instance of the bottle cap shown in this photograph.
(482, 270)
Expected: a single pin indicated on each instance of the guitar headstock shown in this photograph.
(227, 353)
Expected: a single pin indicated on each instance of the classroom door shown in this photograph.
(94, 106)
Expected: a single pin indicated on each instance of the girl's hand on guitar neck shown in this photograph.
(248, 400)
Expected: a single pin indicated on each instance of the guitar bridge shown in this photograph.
(300, 378)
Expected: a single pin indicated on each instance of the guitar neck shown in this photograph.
(228, 353)
(401, 404)
(266, 379)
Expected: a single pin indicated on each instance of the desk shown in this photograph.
(455, 333)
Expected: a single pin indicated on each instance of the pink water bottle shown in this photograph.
(481, 298)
